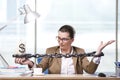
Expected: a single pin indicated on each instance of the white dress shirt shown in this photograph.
(67, 66)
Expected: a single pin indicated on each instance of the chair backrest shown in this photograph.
(38, 61)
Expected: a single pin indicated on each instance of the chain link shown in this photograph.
(55, 55)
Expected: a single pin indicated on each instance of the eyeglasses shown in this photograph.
(62, 39)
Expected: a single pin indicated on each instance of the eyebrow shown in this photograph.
(63, 37)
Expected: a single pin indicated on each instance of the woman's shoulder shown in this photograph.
(78, 49)
(52, 49)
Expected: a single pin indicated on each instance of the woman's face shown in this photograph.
(64, 40)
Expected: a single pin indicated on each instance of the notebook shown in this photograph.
(4, 62)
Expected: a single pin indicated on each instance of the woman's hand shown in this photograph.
(24, 61)
(103, 45)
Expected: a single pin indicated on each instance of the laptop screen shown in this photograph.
(4, 62)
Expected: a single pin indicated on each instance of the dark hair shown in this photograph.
(69, 29)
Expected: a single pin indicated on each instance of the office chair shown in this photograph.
(38, 61)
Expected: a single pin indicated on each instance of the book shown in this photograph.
(15, 74)
(12, 69)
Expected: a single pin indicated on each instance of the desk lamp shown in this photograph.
(29, 16)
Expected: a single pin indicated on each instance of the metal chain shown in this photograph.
(56, 55)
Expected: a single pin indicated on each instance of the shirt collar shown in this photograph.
(70, 52)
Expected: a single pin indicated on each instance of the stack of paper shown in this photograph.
(18, 71)
(8, 74)
(12, 70)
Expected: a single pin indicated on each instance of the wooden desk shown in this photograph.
(59, 77)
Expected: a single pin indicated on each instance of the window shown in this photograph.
(93, 20)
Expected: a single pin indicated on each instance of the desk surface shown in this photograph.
(58, 77)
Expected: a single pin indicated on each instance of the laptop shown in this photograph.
(4, 62)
